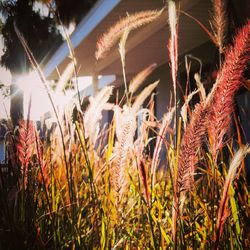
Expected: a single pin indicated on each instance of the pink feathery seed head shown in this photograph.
(220, 22)
(136, 82)
(25, 149)
(229, 80)
(235, 62)
(173, 41)
(190, 144)
(131, 22)
(26, 141)
(125, 131)
(173, 51)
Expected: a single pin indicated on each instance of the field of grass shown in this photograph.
(87, 187)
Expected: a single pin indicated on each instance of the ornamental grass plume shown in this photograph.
(173, 42)
(85, 196)
(122, 44)
(65, 77)
(223, 209)
(26, 140)
(190, 144)
(136, 82)
(93, 113)
(37, 68)
(220, 22)
(25, 148)
(125, 132)
(217, 108)
(131, 22)
(229, 80)
(122, 51)
(143, 96)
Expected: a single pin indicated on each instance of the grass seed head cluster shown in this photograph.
(87, 187)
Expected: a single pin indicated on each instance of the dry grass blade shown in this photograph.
(200, 86)
(74, 61)
(131, 22)
(144, 180)
(223, 212)
(202, 26)
(166, 120)
(184, 108)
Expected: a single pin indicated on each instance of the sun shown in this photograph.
(34, 90)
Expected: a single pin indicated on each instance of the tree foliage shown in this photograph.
(40, 33)
(70, 11)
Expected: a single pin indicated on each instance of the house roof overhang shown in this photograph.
(144, 46)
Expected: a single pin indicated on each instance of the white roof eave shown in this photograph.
(100, 10)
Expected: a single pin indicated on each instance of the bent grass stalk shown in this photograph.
(37, 68)
(223, 210)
